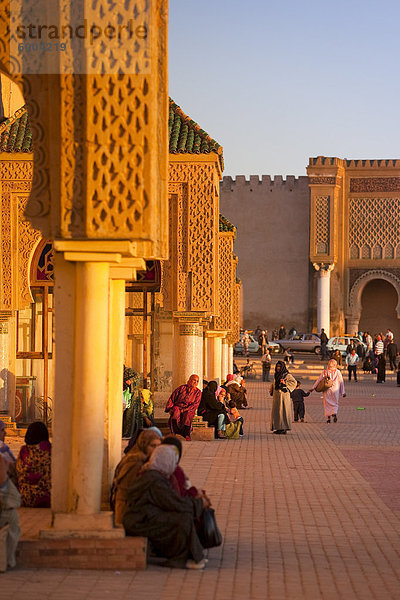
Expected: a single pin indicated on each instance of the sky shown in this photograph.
(278, 82)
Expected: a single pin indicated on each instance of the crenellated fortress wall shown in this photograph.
(272, 216)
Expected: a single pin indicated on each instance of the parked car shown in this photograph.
(302, 342)
(341, 342)
(254, 346)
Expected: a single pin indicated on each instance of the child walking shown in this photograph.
(297, 397)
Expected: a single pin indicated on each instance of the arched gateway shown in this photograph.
(374, 302)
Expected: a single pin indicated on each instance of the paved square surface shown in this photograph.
(313, 514)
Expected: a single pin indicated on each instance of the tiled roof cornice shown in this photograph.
(187, 137)
(15, 133)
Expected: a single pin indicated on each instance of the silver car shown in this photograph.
(302, 342)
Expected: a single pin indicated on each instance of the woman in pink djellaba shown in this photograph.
(331, 395)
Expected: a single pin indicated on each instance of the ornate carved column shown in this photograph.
(99, 120)
(323, 300)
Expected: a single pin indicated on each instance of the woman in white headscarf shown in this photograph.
(156, 511)
(331, 394)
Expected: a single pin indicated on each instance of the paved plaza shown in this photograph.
(313, 514)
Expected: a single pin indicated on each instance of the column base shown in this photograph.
(71, 525)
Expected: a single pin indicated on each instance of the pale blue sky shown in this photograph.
(277, 82)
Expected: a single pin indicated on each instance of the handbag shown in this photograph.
(208, 532)
(324, 385)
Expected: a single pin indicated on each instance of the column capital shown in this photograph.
(214, 333)
(324, 267)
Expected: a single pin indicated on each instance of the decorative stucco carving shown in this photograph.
(18, 238)
(374, 184)
(374, 230)
(100, 141)
(322, 225)
(234, 334)
(322, 180)
(196, 246)
(226, 281)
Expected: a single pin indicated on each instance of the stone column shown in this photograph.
(116, 346)
(214, 352)
(323, 301)
(5, 368)
(137, 353)
(186, 349)
(205, 355)
(82, 333)
(230, 358)
(225, 362)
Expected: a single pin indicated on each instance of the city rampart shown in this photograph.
(272, 217)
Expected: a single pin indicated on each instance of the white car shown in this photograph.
(341, 342)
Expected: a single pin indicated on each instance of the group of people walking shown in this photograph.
(288, 397)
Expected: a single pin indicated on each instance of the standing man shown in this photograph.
(324, 341)
(391, 350)
(266, 365)
(351, 362)
(282, 332)
(246, 342)
(263, 341)
(379, 346)
(182, 406)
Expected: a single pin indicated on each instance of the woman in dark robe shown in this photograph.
(128, 468)
(156, 511)
(212, 410)
(34, 467)
(380, 378)
(282, 406)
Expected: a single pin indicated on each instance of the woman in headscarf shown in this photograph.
(236, 391)
(282, 406)
(34, 467)
(128, 469)
(132, 417)
(155, 510)
(331, 395)
(213, 411)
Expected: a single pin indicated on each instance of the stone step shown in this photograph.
(118, 554)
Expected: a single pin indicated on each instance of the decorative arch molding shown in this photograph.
(359, 285)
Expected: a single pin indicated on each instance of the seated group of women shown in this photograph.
(151, 496)
(219, 406)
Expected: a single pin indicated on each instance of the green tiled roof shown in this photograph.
(15, 133)
(225, 225)
(186, 136)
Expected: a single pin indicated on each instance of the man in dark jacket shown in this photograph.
(324, 341)
(391, 350)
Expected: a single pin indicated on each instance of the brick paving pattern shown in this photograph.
(313, 514)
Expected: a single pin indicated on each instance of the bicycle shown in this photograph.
(40, 408)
